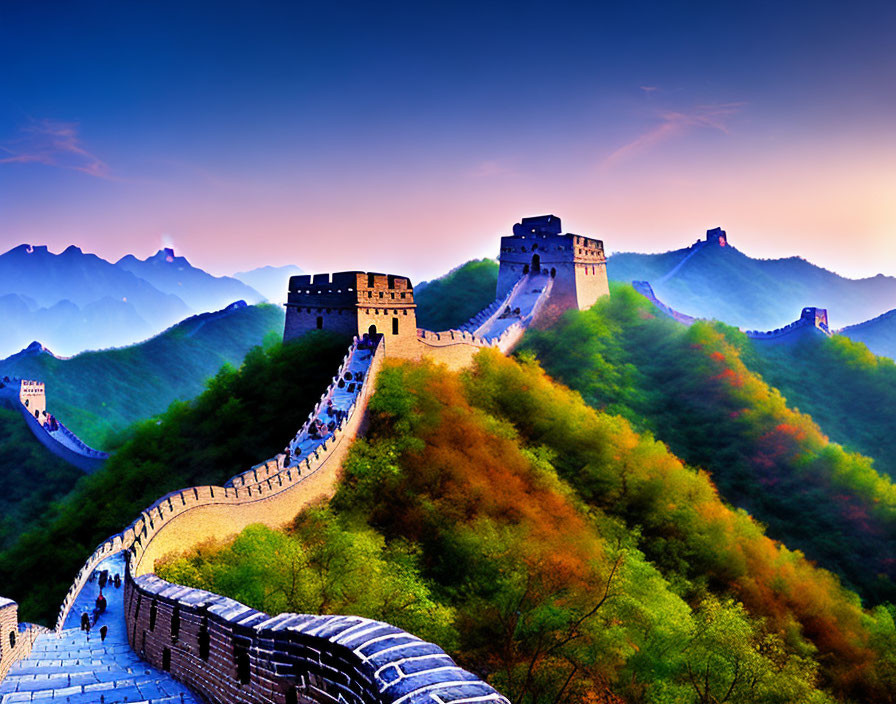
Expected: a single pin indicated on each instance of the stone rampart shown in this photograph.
(16, 638)
(62, 442)
(231, 653)
(271, 493)
(812, 321)
(646, 290)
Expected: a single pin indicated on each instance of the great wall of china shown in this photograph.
(812, 321)
(27, 396)
(226, 651)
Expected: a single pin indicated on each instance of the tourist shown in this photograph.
(103, 631)
(85, 621)
(104, 577)
(101, 603)
(118, 581)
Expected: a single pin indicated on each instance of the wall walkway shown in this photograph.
(223, 649)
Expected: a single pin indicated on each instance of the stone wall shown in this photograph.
(16, 638)
(812, 321)
(271, 493)
(352, 303)
(230, 653)
(576, 263)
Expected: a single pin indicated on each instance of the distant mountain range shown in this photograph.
(712, 279)
(75, 301)
(98, 393)
(198, 289)
(271, 281)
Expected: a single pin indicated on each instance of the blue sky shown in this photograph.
(407, 138)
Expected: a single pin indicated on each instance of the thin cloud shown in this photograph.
(649, 89)
(674, 124)
(53, 143)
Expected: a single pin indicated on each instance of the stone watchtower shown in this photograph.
(353, 303)
(576, 264)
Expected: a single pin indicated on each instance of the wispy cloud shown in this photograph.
(649, 89)
(53, 143)
(674, 124)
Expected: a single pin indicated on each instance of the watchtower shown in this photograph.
(353, 303)
(577, 264)
(817, 317)
(32, 395)
(717, 236)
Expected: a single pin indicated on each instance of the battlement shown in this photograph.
(351, 303)
(576, 263)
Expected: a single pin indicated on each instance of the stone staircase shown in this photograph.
(80, 668)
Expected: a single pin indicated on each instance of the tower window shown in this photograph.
(320, 322)
(394, 326)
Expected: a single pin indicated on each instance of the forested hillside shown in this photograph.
(33, 478)
(244, 416)
(848, 391)
(691, 388)
(558, 552)
(99, 394)
(452, 299)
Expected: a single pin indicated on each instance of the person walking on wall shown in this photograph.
(103, 631)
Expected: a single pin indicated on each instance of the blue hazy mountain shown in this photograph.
(878, 334)
(715, 280)
(270, 281)
(74, 300)
(197, 288)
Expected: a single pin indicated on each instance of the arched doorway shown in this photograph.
(372, 331)
(536, 264)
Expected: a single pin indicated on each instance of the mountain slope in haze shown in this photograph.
(272, 282)
(877, 334)
(198, 289)
(98, 394)
(73, 298)
(722, 283)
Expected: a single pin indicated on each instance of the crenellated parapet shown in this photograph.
(28, 396)
(231, 653)
(16, 638)
(577, 264)
(271, 493)
(811, 320)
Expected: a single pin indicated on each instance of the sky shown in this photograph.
(407, 138)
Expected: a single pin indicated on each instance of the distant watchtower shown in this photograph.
(577, 264)
(717, 236)
(817, 317)
(352, 303)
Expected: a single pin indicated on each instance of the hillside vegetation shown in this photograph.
(244, 416)
(558, 553)
(452, 299)
(99, 394)
(848, 391)
(692, 389)
(32, 476)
